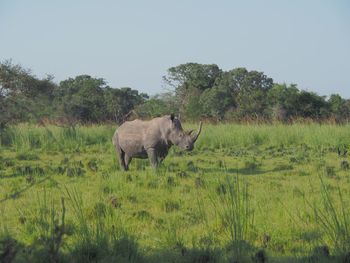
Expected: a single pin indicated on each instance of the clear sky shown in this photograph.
(132, 43)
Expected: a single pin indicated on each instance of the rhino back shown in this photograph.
(137, 136)
(130, 137)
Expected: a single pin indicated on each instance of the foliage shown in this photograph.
(23, 96)
(156, 106)
(81, 98)
(189, 79)
(215, 102)
(238, 94)
(119, 102)
(196, 91)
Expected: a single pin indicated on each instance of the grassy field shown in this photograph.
(247, 193)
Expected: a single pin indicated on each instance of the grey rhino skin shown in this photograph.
(151, 139)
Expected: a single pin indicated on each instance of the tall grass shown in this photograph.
(102, 239)
(53, 138)
(237, 135)
(44, 229)
(233, 207)
(332, 218)
(94, 230)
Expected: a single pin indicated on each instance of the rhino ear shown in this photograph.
(172, 117)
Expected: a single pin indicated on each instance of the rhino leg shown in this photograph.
(120, 153)
(152, 156)
(121, 156)
(127, 160)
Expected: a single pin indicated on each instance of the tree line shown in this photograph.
(195, 91)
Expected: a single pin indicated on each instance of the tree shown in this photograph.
(82, 98)
(215, 102)
(199, 90)
(245, 91)
(119, 102)
(22, 95)
(15, 80)
(311, 105)
(283, 100)
(158, 105)
(191, 79)
(295, 103)
(339, 107)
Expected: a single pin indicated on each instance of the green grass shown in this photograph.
(246, 193)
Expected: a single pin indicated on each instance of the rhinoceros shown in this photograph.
(151, 139)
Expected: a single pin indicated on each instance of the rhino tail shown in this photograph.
(115, 140)
(116, 144)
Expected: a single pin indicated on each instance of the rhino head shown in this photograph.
(183, 139)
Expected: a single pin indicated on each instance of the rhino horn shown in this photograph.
(195, 136)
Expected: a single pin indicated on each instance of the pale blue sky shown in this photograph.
(132, 43)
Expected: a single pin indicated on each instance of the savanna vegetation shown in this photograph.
(194, 91)
(268, 180)
(247, 193)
